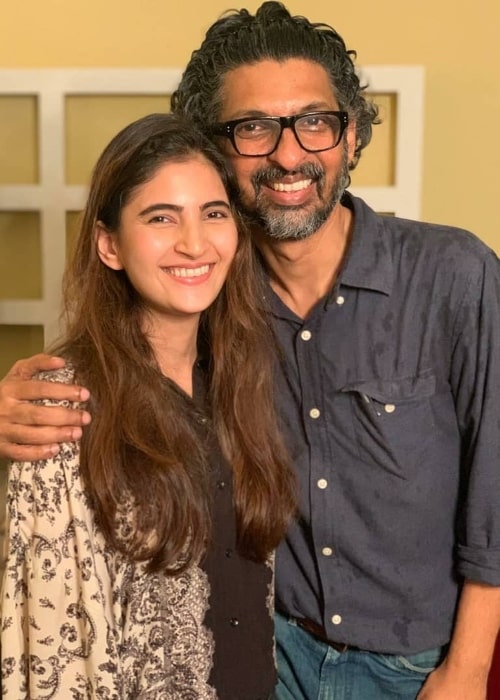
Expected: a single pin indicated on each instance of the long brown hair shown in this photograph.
(144, 447)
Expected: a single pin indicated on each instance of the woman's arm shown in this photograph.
(55, 608)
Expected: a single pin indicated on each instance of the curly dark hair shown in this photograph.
(239, 38)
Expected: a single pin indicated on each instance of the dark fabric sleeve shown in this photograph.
(475, 382)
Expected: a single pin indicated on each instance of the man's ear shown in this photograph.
(107, 246)
(351, 141)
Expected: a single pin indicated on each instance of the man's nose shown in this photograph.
(289, 153)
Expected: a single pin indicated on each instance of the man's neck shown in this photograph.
(302, 272)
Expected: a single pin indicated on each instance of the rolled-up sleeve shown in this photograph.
(476, 385)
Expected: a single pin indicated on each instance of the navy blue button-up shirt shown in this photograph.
(390, 399)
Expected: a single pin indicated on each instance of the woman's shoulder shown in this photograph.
(65, 375)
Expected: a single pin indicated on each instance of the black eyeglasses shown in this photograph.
(260, 136)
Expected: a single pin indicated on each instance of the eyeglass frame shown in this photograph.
(226, 129)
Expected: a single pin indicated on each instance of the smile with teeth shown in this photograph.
(188, 271)
(290, 186)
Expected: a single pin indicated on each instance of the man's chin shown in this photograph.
(281, 228)
(293, 223)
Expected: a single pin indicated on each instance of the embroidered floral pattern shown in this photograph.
(80, 621)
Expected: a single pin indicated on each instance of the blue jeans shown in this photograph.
(309, 669)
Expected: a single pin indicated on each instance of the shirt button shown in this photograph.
(221, 484)
(234, 622)
(340, 300)
(327, 551)
(336, 619)
(228, 553)
(322, 483)
(306, 335)
(315, 413)
(389, 408)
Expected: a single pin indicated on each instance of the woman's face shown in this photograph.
(176, 240)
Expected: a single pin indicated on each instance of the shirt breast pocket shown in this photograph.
(395, 421)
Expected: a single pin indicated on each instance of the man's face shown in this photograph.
(291, 192)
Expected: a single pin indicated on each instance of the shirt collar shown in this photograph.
(368, 262)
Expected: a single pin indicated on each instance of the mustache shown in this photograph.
(264, 176)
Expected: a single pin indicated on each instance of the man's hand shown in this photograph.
(463, 675)
(29, 432)
(454, 684)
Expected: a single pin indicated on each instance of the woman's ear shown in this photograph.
(107, 246)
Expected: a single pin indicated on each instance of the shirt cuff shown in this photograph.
(479, 564)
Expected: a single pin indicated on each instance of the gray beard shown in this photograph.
(296, 223)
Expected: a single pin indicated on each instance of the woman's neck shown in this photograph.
(174, 343)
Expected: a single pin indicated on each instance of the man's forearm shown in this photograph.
(476, 628)
(463, 675)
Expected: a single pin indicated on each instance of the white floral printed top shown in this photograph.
(80, 621)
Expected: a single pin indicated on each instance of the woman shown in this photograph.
(139, 561)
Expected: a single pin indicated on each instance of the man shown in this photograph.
(388, 389)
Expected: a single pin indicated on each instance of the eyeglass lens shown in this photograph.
(314, 132)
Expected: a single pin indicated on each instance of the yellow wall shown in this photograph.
(457, 42)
